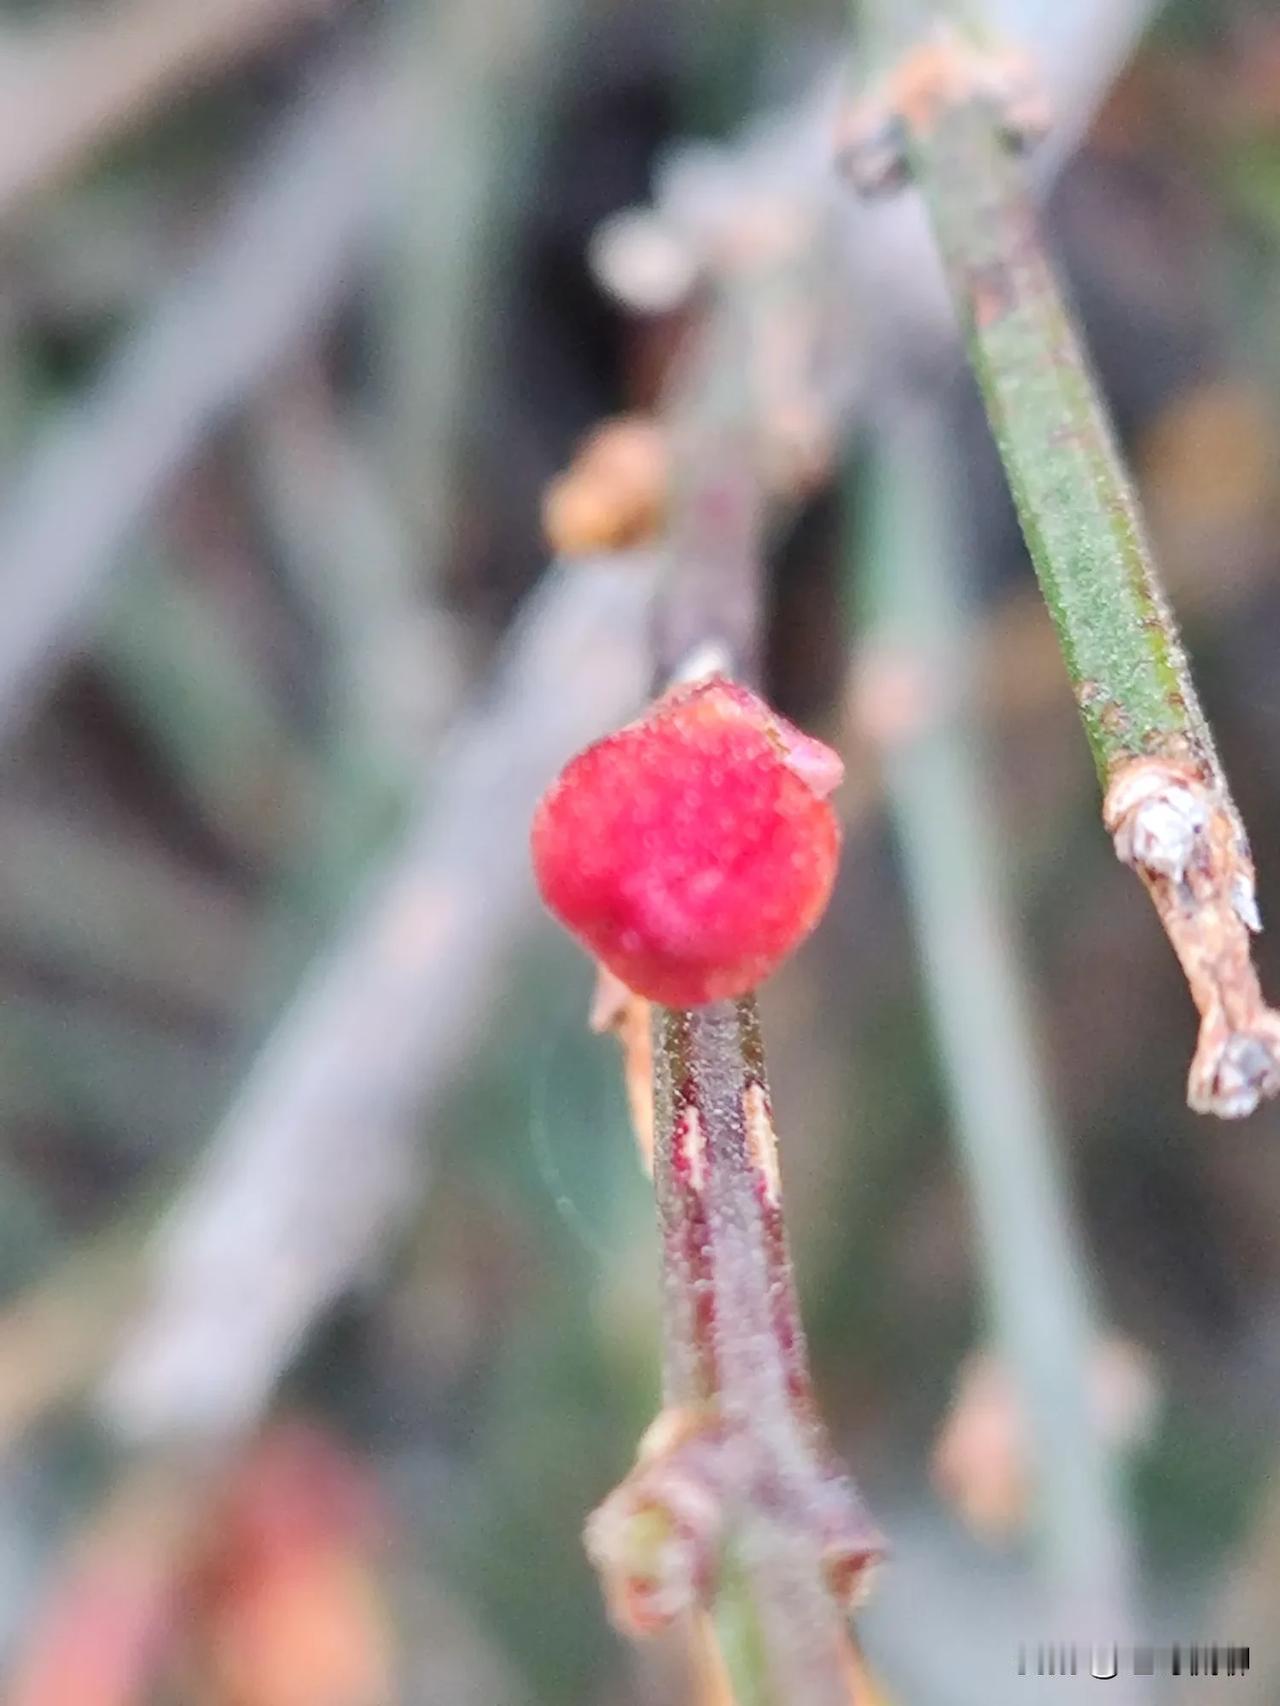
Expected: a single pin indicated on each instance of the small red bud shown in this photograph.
(692, 850)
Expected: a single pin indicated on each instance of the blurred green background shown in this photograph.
(297, 318)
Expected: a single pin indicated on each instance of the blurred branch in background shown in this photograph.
(68, 89)
(442, 294)
(915, 702)
(317, 1160)
(274, 267)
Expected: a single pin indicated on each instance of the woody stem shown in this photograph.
(734, 1345)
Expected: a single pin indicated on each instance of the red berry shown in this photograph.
(692, 850)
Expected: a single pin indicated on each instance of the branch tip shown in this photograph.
(1178, 832)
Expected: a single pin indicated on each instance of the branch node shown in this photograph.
(1156, 818)
(945, 71)
(1178, 833)
(656, 1539)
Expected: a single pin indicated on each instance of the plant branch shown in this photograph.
(714, 419)
(754, 1509)
(951, 112)
(737, 1501)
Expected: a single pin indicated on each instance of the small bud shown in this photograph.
(692, 850)
(656, 1539)
(614, 493)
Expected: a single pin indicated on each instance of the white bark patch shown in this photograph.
(693, 1148)
(762, 1142)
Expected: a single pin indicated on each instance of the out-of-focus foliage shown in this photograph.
(248, 702)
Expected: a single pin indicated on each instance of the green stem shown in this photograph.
(1074, 498)
(740, 1637)
(1167, 805)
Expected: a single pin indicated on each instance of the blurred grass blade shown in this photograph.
(1034, 1266)
(178, 663)
(274, 267)
(67, 92)
(316, 1162)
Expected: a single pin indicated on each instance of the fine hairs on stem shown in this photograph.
(736, 1498)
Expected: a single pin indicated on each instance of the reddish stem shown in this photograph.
(734, 1346)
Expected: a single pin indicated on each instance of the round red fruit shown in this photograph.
(692, 850)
